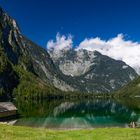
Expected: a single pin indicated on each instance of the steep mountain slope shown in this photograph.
(8, 77)
(94, 71)
(21, 51)
(17, 52)
(132, 89)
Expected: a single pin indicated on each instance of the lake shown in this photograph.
(73, 114)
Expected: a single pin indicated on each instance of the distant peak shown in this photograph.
(6, 19)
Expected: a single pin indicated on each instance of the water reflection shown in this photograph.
(78, 114)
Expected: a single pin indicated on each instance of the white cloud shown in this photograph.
(117, 48)
(61, 43)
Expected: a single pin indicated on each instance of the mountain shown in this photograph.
(132, 89)
(20, 56)
(24, 52)
(93, 71)
(30, 71)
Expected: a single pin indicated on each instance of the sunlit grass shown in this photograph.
(26, 133)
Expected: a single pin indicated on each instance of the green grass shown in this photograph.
(26, 133)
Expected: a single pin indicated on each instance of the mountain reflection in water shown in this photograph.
(60, 114)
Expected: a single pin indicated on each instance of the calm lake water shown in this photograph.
(63, 114)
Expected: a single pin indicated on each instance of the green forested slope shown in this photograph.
(132, 89)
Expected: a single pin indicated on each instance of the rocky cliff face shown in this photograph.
(94, 71)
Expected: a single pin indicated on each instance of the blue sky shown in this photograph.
(40, 20)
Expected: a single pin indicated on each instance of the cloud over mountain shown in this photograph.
(61, 43)
(117, 48)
